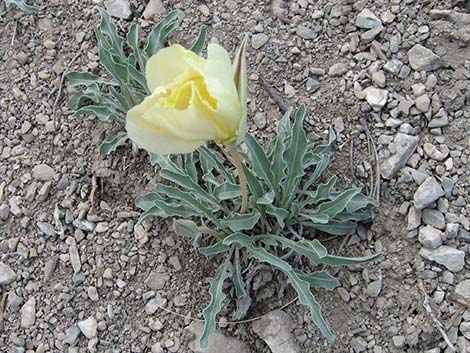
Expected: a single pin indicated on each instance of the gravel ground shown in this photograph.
(81, 276)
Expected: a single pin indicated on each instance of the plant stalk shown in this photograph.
(237, 162)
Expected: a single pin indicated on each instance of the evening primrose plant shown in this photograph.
(237, 202)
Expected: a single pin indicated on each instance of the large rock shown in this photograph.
(451, 258)
(367, 20)
(463, 289)
(430, 237)
(276, 330)
(428, 192)
(218, 342)
(28, 313)
(7, 275)
(423, 59)
(405, 147)
(118, 8)
(376, 97)
(154, 8)
(258, 40)
(43, 172)
(88, 327)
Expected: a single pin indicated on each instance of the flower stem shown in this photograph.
(237, 162)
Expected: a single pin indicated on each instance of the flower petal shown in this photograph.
(218, 77)
(240, 78)
(169, 64)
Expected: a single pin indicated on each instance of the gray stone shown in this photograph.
(28, 313)
(428, 192)
(312, 85)
(7, 275)
(430, 237)
(154, 8)
(14, 204)
(305, 32)
(374, 288)
(465, 329)
(376, 97)
(260, 120)
(46, 228)
(452, 230)
(393, 66)
(369, 36)
(276, 330)
(423, 103)
(4, 211)
(75, 258)
(157, 280)
(447, 256)
(434, 218)
(423, 59)
(414, 218)
(43, 172)
(118, 8)
(463, 289)
(378, 78)
(71, 335)
(218, 342)
(432, 152)
(258, 40)
(366, 19)
(88, 327)
(399, 341)
(359, 344)
(405, 147)
(338, 69)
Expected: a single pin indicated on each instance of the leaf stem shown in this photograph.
(237, 162)
(212, 232)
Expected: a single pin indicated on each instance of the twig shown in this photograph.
(59, 94)
(375, 187)
(94, 187)
(275, 95)
(15, 29)
(351, 157)
(428, 308)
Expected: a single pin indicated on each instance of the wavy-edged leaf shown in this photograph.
(264, 256)
(215, 304)
(217, 248)
(211, 159)
(279, 213)
(357, 216)
(198, 45)
(22, 5)
(261, 164)
(360, 201)
(227, 191)
(323, 191)
(319, 279)
(306, 297)
(320, 218)
(160, 33)
(294, 156)
(133, 42)
(312, 249)
(110, 146)
(333, 227)
(238, 238)
(185, 228)
(254, 185)
(147, 201)
(338, 204)
(237, 279)
(266, 199)
(108, 29)
(76, 78)
(319, 169)
(336, 261)
(238, 222)
(103, 113)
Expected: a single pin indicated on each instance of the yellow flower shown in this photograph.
(194, 100)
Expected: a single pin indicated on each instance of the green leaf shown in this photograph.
(215, 304)
(315, 218)
(110, 146)
(360, 215)
(266, 199)
(239, 221)
(239, 238)
(22, 5)
(103, 113)
(294, 156)
(210, 157)
(261, 164)
(337, 261)
(198, 46)
(312, 249)
(320, 279)
(111, 61)
(147, 201)
(108, 29)
(91, 93)
(306, 297)
(133, 42)
(161, 32)
(279, 213)
(186, 182)
(264, 256)
(319, 169)
(227, 191)
(323, 191)
(254, 185)
(124, 105)
(335, 206)
(185, 227)
(217, 248)
(237, 279)
(76, 78)
(333, 227)
(360, 201)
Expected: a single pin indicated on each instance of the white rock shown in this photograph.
(118, 8)
(405, 146)
(28, 313)
(423, 103)
(88, 327)
(154, 8)
(366, 19)
(447, 256)
(427, 193)
(423, 59)
(338, 69)
(218, 342)
(376, 97)
(276, 330)
(430, 237)
(258, 40)
(463, 289)
(43, 172)
(7, 275)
